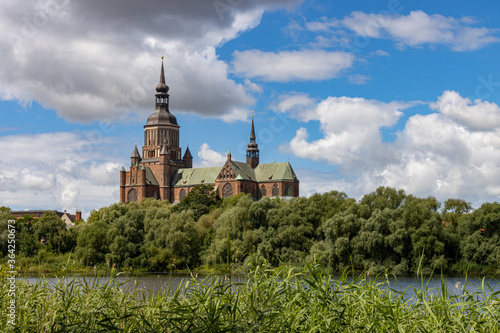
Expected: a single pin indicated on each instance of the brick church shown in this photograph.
(162, 173)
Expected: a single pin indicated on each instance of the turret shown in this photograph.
(188, 159)
(135, 158)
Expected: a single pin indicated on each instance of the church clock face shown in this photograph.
(227, 191)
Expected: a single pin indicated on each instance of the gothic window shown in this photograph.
(263, 190)
(276, 190)
(227, 191)
(182, 194)
(132, 195)
(246, 188)
(296, 190)
(288, 190)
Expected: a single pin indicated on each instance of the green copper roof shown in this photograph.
(263, 173)
(196, 176)
(150, 177)
(274, 172)
(243, 170)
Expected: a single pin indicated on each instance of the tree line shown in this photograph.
(386, 229)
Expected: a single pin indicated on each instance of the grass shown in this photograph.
(271, 300)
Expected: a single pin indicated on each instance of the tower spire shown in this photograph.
(162, 88)
(253, 148)
(252, 132)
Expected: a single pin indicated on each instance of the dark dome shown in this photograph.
(162, 88)
(253, 145)
(161, 117)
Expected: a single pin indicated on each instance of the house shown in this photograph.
(67, 218)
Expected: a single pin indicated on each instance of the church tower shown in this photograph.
(253, 149)
(161, 126)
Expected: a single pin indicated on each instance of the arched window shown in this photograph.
(246, 188)
(227, 191)
(288, 190)
(276, 190)
(132, 195)
(263, 190)
(296, 190)
(182, 194)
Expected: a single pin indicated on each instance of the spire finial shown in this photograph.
(162, 54)
(252, 132)
(162, 88)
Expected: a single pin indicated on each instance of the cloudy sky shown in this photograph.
(355, 94)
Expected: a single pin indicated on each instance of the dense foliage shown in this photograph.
(266, 300)
(385, 229)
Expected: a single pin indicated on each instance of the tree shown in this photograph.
(51, 228)
(384, 197)
(201, 199)
(92, 243)
(27, 241)
(454, 208)
(480, 234)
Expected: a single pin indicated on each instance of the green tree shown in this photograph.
(5, 216)
(454, 208)
(27, 241)
(384, 197)
(201, 199)
(92, 243)
(52, 229)
(480, 234)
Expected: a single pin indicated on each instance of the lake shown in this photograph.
(170, 282)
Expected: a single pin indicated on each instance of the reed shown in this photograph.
(270, 300)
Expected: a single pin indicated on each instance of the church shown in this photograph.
(160, 172)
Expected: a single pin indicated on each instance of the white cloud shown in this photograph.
(436, 154)
(100, 60)
(104, 173)
(50, 171)
(293, 102)
(291, 65)
(414, 30)
(358, 79)
(477, 115)
(209, 157)
(36, 181)
(351, 132)
(381, 53)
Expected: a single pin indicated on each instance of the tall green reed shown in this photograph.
(269, 300)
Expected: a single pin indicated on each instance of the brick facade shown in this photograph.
(161, 173)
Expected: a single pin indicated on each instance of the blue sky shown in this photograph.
(355, 94)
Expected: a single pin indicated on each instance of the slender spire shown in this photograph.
(162, 88)
(252, 132)
(253, 149)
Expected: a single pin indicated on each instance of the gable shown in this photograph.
(227, 172)
(234, 170)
